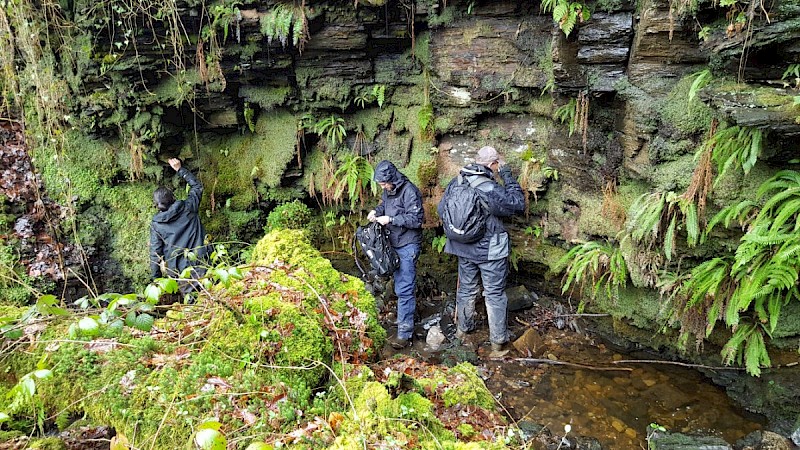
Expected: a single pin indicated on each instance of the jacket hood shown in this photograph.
(477, 169)
(386, 172)
(174, 211)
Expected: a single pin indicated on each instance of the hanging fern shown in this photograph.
(735, 146)
(354, 178)
(763, 274)
(747, 344)
(701, 80)
(566, 14)
(284, 22)
(590, 266)
(658, 217)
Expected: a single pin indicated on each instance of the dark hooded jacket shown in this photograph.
(503, 201)
(403, 204)
(177, 231)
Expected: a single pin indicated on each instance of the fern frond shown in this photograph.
(644, 217)
(701, 79)
(669, 239)
(755, 353)
(692, 223)
(733, 348)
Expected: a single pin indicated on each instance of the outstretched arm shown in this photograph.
(507, 200)
(195, 186)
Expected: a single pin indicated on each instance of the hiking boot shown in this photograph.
(461, 335)
(498, 351)
(398, 343)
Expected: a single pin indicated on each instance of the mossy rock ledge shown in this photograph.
(266, 356)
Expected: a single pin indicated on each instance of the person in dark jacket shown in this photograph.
(401, 212)
(176, 233)
(486, 260)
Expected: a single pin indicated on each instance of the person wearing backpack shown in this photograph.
(471, 211)
(400, 211)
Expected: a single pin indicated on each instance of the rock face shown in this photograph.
(267, 101)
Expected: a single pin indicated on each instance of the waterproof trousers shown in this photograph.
(493, 276)
(404, 284)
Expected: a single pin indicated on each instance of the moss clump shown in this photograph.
(292, 215)
(236, 168)
(402, 404)
(80, 171)
(129, 210)
(176, 89)
(641, 306)
(13, 277)
(469, 389)
(266, 97)
(690, 117)
(314, 275)
(234, 164)
(51, 443)
(371, 121)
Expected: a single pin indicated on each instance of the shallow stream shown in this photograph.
(613, 406)
(612, 403)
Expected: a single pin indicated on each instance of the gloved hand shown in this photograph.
(371, 216)
(384, 220)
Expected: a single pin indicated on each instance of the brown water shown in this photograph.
(615, 407)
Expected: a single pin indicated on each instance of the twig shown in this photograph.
(674, 363)
(582, 315)
(564, 363)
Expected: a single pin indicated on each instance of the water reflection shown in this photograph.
(614, 407)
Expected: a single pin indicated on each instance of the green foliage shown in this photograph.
(438, 243)
(222, 15)
(566, 14)
(566, 114)
(747, 345)
(249, 113)
(22, 398)
(658, 217)
(735, 146)
(353, 177)
(700, 80)
(285, 23)
(749, 291)
(591, 266)
(792, 76)
(291, 215)
(426, 121)
(332, 130)
(377, 94)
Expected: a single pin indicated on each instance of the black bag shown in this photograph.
(464, 211)
(374, 240)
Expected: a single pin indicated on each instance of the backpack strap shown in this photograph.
(475, 181)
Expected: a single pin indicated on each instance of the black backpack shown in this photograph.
(374, 240)
(464, 210)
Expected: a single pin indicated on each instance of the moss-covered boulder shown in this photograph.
(249, 354)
